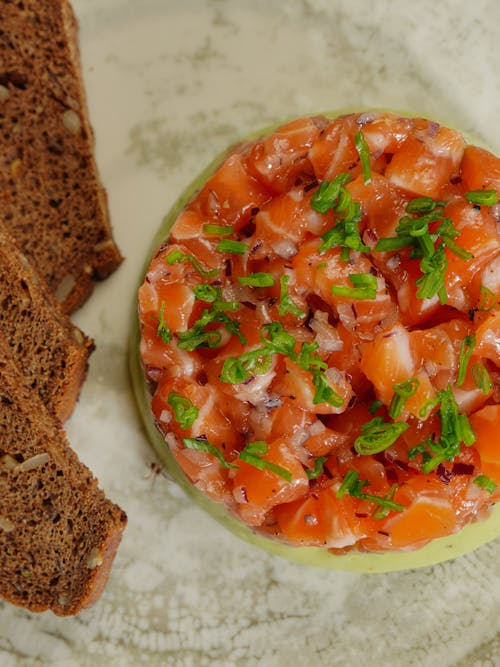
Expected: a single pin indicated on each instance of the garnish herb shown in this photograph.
(364, 156)
(481, 378)
(485, 483)
(333, 195)
(257, 280)
(185, 413)
(218, 230)
(482, 197)
(277, 339)
(466, 349)
(455, 429)
(253, 454)
(213, 294)
(238, 369)
(232, 247)
(377, 435)
(177, 257)
(413, 232)
(402, 392)
(196, 336)
(364, 287)
(427, 407)
(309, 359)
(323, 392)
(432, 280)
(162, 330)
(487, 300)
(318, 468)
(202, 445)
(375, 406)
(353, 486)
(286, 305)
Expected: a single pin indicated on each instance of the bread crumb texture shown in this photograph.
(50, 194)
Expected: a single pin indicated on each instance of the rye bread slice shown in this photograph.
(50, 192)
(51, 352)
(58, 531)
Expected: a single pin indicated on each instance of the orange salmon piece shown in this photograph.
(424, 166)
(334, 152)
(282, 157)
(297, 384)
(284, 223)
(480, 169)
(429, 513)
(210, 422)
(486, 423)
(322, 519)
(257, 491)
(488, 338)
(384, 133)
(229, 196)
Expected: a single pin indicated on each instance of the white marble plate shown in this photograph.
(170, 83)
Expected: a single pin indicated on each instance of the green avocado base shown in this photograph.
(439, 550)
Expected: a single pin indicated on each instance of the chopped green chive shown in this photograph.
(207, 293)
(347, 215)
(485, 483)
(482, 197)
(162, 330)
(364, 287)
(421, 205)
(185, 413)
(211, 294)
(353, 486)
(384, 509)
(202, 445)
(432, 280)
(487, 300)
(286, 305)
(196, 336)
(176, 257)
(253, 454)
(323, 392)
(427, 407)
(232, 247)
(455, 429)
(364, 156)
(466, 349)
(275, 337)
(402, 392)
(309, 359)
(218, 230)
(257, 280)
(377, 435)
(239, 369)
(394, 243)
(481, 378)
(326, 196)
(375, 406)
(413, 232)
(318, 468)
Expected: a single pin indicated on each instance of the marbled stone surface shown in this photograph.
(170, 84)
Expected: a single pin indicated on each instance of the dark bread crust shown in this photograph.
(51, 352)
(58, 532)
(50, 192)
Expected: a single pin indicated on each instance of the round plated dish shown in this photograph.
(317, 354)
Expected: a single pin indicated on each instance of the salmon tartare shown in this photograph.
(320, 333)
